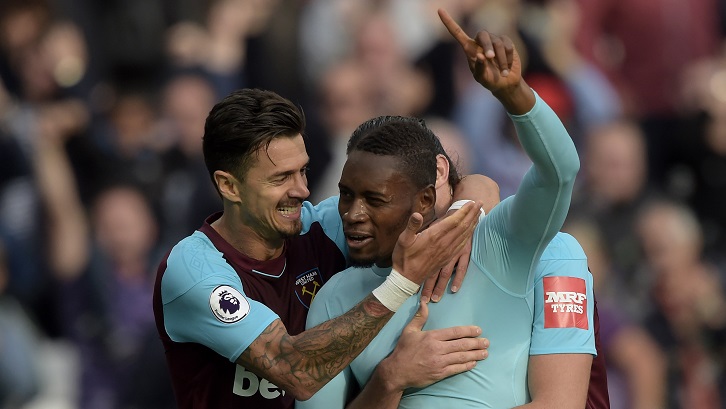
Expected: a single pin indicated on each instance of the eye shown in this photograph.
(304, 171)
(345, 194)
(281, 179)
(375, 202)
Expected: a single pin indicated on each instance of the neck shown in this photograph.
(246, 240)
(444, 197)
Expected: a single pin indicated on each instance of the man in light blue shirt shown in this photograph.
(387, 177)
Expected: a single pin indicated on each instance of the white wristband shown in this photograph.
(459, 204)
(395, 290)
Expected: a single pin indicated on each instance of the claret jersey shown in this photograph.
(211, 302)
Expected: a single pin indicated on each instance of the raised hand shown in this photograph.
(495, 64)
(492, 58)
(419, 255)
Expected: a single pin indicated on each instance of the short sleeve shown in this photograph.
(204, 302)
(563, 308)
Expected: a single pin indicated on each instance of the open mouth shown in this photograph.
(289, 211)
(356, 241)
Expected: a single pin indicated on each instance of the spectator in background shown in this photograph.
(699, 177)
(689, 301)
(36, 86)
(614, 186)
(345, 100)
(19, 338)
(376, 78)
(186, 195)
(578, 92)
(644, 46)
(218, 45)
(398, 87)
(328, 29)
(20, 222)
(102, 270)
(106, 307)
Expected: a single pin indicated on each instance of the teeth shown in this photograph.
(287, 210)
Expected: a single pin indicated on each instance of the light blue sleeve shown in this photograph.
(519, 228)
(196, 278)
(325, 213)
(563, 302)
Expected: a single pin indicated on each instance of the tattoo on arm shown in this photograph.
(307, 361)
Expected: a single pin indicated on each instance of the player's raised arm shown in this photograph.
(533, 216)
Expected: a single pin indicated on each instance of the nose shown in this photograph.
(355, 213)
(300, 187)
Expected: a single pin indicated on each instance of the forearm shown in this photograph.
(67, 225)
(379, 392)
(541, 203)
(547, 143)
(303, 363)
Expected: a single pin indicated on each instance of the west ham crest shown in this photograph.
(307, 285)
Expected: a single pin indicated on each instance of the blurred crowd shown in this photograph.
(102, 109)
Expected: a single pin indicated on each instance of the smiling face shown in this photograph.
(273, 189)
(376, 200)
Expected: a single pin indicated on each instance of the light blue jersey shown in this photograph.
(506, 318)
(498, 291)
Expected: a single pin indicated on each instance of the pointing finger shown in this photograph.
(472, 51)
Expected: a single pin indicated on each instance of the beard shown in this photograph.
(291, 231)
(361, 260)
(361, 263)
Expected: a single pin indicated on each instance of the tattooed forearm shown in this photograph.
(302, 364)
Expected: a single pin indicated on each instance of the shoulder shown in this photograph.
(337, 285)
(191, 261)
(563, 247)
(195, 253)
(325, 213)
(347, 288)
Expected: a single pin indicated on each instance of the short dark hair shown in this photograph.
(405, 137)
(244, 121)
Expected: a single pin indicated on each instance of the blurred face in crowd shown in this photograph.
(187, 102)
(615, 162)
(125, 227)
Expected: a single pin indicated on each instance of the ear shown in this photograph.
(442, 171)
(426, 200)
(227, 185)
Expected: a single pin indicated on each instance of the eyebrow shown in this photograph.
(290, 172)
(367, 193)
